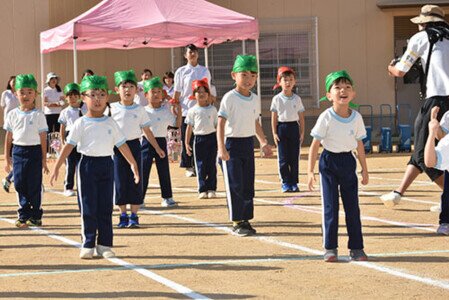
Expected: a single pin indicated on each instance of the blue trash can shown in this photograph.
(368, 117)
(404, 127)
(386, 123)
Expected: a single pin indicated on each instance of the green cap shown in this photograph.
(94, 82)
(154, 82)
(70, 87)
(121, 76)
(245, 63)
(25, 81)
(332, 77)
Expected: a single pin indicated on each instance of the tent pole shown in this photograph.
(42, 79)
(258, 86)
(206, 57)
(75, 61)
(244, 47)
(172, 55)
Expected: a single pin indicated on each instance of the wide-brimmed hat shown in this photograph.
(50, 76)
(429, 13)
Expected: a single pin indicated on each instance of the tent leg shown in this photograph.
(259, 87)
(42, 79)
(206, 57)
(172, 55)
(243, 47)
(75, 62)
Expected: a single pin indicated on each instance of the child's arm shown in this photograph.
(302, 126)
(178, 115)
(62, 134)
(8, 144)
(433, 115)
(362, 160)
(313, 152)
(430, 157)
(124, 149)
(264, 146)
(61, 159)
(43, 137)
(274, 126)
(150, 137)
(187, 140)
(222, 152)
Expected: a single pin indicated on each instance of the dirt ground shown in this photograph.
(189, 252)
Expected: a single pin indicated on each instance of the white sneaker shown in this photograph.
(436, 208)
(105, 251)
(87, 253)
(202, 195)
(168, 202)
(211, 194)
(190, 172)
(69, 193)
(391, 199)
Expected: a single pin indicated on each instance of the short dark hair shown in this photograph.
(168, 75)
(128, 81)
(88, 71)
(8, 85)
(341, 80)
(190, 47)
(147, 70)
(205, 87)
(288, 73)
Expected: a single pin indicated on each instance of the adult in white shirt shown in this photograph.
(437, 93)
(183, 89)
(53, 101)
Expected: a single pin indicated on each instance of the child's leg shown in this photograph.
(145, 166)
(350, 199)
(293, 152)
(71, 162)
(163, 170)
(105, 206)
(20, 180)
(88, 189)
(283, 165)
(329, 198)
(200, 153)
(211, 181)
(34, 180)
(186, 161)
(444, 215)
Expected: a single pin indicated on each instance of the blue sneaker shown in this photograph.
(285, 188)
(294, 188)
(124, 221)
(133, 221)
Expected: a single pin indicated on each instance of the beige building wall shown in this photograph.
(353, 34)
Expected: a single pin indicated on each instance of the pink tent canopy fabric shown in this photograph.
(125, 24)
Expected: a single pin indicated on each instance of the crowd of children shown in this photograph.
(134, 132)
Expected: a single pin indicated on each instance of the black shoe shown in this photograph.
(6, 184)
(241, 229)
(246, 224)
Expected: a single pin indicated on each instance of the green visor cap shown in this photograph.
(154, 82)
(332, 77)
(71, 87)
(94, 82)
(25, 81)
(245, 63)
(121, 76)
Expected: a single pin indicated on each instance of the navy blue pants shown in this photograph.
(95, 195)
(27, 168)
(205, 151)
(288, 151)
(444, 215)
(338, 172)
(70, 164)
(238, 174)
(163, 169)
(126, 191)
(186, 161)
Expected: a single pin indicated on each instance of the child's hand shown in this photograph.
(267, 150)
(311, 181)
(301, 138)
(8, 166)
(135, 171)
(365, 177)
(434, 124)
(54, 176)
(188, 150)
(44, 167)
(160, 152)
(276, 139)
(223, 154)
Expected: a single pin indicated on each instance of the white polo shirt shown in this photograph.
(444, 122)
(68, 116)
(139, 98)
(183, 83)
(240, 112)
(338, 134)
(202, 119)
(160, 119)
(96, 136)
(442, 151)
(26, 126)
(8, 102)
(53, 96)
(287, 108)
(438, 77)
(130, 119)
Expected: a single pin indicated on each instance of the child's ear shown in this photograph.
(233, 75)
(328, 96)
(116, 89)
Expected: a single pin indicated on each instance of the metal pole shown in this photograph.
(258, 76)
(42, 79)
(75, 61)
(172, 55)
(244, 47)
(206, 57)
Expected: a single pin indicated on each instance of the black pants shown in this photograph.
(186, 161)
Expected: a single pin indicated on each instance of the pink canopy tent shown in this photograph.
(124, 24)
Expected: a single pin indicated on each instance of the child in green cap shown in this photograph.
(26, 132)
(340, 130)
(237, 124)
(67, 118)
(133, 121)
(161, 118)
(95, 136)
